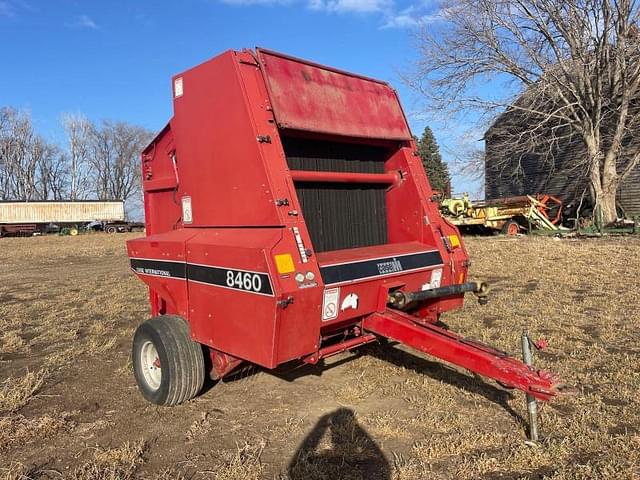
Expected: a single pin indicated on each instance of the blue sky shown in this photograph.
(114, 59)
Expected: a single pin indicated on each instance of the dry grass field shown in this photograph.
(69, 407)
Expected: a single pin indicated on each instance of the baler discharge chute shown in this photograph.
(288, 217)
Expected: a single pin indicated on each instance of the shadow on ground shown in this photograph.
(390, 353)
(338, 447)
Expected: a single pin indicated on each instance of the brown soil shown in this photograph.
(69, 407)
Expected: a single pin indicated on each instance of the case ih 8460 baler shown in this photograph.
(288, 217)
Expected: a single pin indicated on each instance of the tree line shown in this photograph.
(96, 161)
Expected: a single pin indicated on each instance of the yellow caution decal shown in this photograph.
(284, 263)
(454, 241)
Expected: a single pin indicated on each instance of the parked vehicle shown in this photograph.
(115, 227)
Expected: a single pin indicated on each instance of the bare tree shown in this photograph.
(78, 129)
(570, 70)
(100, 162)
(5, 146)
(30, 167)
(17, 162)
(115, 159)
(52, 171)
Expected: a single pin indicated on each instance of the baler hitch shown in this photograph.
(469, 354)
(401, 300)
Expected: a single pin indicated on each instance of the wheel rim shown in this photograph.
(150, 363)
(512, 229)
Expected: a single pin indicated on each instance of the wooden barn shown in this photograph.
(513, 168)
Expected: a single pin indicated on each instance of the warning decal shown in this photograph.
(187, 212)
(330, 303)
(177, 87)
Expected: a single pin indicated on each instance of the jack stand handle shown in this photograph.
(532, 404)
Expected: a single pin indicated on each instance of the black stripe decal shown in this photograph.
(158, 268)
(253, 282)
(347, 272)
(243, 280)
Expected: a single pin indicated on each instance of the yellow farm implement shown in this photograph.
(509, 215)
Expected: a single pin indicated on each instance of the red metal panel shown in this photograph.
(237, 322)
(345, 177)
(368, 294)
(369, 290)
(245, 324)
(413, 214)
(315, 98)
(218, 155)
(167, 295)
(159, 183)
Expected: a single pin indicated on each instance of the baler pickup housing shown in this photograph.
(285, 204)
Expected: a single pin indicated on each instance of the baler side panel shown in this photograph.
(341, 103)
(217, 147)
(237, 322)
(159, 183)
(298, 328)
(241, 321)
(160, 262)
(414, 215)
(405, 206)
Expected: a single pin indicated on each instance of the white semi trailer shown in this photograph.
(39, 217)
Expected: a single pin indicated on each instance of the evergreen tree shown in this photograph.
(436, 168)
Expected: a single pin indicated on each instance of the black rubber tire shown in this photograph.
(181, 360)
(111, 229)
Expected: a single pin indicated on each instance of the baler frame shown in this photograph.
(249, 253)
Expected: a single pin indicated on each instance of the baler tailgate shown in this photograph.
(472, 355)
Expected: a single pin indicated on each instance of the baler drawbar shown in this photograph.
(470, 354)
(289, 218)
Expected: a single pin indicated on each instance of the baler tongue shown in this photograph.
(470, 354)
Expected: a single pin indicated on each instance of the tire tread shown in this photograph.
(185, 359)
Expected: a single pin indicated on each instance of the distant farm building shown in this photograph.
(517, 170)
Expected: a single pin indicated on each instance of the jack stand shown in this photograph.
(532, 405)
